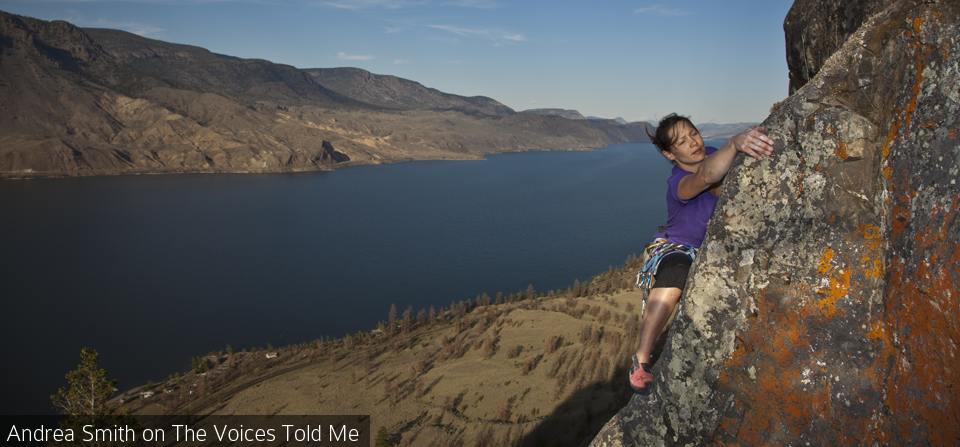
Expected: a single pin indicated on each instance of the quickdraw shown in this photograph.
(652, 256)
(656, 252)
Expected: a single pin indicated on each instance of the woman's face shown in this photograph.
(687, 148)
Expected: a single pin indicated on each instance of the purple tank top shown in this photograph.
(687, 219)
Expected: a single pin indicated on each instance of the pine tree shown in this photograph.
(392, 319)
(407, 320)
(383, 438)
(422, 317)
(85, 402)
(89, 388)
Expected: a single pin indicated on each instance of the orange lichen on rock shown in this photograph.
(904, 116)
(841, 151)
(845, 331)
(837, 285)
(777, 402)
(922, 307)
(923, 384)
(825, 265)
(871, 259)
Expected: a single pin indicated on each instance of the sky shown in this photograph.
(715, 61)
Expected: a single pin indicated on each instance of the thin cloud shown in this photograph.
(462, 31)
(397, 4)
(141, 29)
(137, 28)
(142, 1)
(480, 4)
(659, 9)
(480, 33)
(352, 57)
(370, 4)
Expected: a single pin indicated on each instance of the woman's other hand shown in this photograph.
(753, 142)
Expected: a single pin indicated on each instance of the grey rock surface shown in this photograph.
(822, 306)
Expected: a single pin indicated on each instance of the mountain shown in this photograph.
(568, 114)
(96, 102)
(196, 69)
(617, 119)
(391, 92)
(70, 107)
(722, 131)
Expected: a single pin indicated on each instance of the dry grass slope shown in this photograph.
(542, 369)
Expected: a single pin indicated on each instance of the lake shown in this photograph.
(152, 270)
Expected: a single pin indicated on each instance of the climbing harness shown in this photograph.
(652, 256)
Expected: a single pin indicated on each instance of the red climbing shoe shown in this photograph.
(641, 380)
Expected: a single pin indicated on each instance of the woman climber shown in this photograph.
(692, 191)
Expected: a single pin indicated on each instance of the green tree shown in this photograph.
(392, 319)
(407, 323)
(485, 300)
(89, 388)
(85, 401)
(383, 438)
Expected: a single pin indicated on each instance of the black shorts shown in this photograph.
(672, 271)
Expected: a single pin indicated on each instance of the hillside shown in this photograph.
(98, 102)
(722, 131)
(391, 92)
(568, 114)
(537, 369)
(186, 67)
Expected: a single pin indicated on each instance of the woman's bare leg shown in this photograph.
(660, 304)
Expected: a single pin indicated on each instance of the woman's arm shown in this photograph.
(751, 141)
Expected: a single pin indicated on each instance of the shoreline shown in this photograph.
(37, 175)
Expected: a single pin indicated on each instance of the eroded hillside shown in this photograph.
(94, 102)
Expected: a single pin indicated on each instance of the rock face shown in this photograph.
(822, 308)
(815, 29)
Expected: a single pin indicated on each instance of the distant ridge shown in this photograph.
(193, 68)
(721, 131)
(617, 119)
(568, 114)
(391, 92)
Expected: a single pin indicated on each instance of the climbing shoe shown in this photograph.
(641, 379)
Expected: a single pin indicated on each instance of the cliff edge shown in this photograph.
(822, 307)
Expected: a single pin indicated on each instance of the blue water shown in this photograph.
(152, 270)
